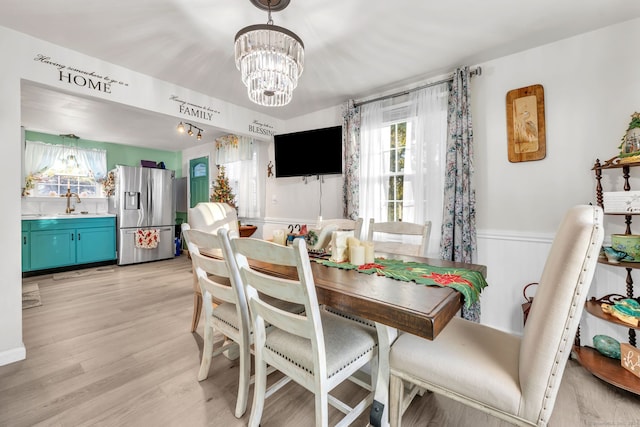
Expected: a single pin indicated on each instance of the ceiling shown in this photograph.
(354, 49)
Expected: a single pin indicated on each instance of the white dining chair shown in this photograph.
(225, 307)
(511, 377)
(317, 349)
(400, 237)
(229, 315)
(344, 224)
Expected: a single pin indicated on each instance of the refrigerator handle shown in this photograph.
(150, 200)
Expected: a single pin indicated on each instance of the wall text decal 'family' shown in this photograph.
(193, 110)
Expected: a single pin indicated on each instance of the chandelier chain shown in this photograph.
(270, 19)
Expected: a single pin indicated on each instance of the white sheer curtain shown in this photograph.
(425, 112)
(372, 167)
(40, 156)
(425, 158)
(241, 156)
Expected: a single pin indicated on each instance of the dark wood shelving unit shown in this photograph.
(606, 368)
(603, 367)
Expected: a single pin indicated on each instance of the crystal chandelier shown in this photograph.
(270, 58)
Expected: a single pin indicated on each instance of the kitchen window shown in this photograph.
(52, 169)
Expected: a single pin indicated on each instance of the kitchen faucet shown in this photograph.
(69, 195)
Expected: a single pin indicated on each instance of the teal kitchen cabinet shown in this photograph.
(61, 242)
(52, 248)
(26, 239)
(95, 244)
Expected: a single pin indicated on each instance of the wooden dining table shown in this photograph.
(392, 304)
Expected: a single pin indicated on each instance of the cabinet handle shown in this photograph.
(78, 236)
(24, 240)
(71, 236)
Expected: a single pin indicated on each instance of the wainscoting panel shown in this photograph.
(513, 260)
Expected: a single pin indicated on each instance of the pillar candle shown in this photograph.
(369, 256)
(278, 237)
(352, 241)
(356, 255)
(339, 251)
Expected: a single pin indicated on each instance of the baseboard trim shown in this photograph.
(13, 355)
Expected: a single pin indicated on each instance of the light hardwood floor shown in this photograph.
(114, 349)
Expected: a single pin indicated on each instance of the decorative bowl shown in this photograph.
(628, 243)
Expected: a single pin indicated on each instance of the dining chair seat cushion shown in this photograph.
(490, 375)
(345, 342)
(227, 313)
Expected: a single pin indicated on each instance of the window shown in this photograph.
(241, 158)
(402, 154)
(395, 154)
(52, 170)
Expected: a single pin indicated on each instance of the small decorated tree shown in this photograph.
(222, 190)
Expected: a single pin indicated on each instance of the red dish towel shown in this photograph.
(147, 238)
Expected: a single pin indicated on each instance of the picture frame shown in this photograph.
(526, 132)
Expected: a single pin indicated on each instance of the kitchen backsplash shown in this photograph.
(57, 205)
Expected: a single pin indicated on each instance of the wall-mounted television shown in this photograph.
(310, 152)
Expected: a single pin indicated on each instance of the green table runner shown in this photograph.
(468, 282)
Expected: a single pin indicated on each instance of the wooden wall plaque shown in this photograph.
(525, 124)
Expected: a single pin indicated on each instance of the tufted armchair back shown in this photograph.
(210, 216)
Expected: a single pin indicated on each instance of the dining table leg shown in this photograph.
(379, 415)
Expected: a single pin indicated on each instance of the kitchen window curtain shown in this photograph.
(40, 156)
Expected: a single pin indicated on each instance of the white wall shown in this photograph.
(591, 89)
(20, 52)
(291, 200)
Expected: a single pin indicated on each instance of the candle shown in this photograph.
(356, 255)
(369, 256)
(278, 237)
(352, 241)
(339, 252)
(68, 185)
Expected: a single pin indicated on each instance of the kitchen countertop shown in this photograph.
(73, 215)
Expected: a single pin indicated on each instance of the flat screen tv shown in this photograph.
(310, 152)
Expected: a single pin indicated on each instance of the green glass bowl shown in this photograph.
(628, 243)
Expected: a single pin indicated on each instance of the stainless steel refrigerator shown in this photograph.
(144, 203)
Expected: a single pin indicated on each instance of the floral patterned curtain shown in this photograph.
(351, 143)
(459, 217)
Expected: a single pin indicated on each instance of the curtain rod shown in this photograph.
(475, 72)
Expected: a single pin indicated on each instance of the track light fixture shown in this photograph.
(181, 127)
